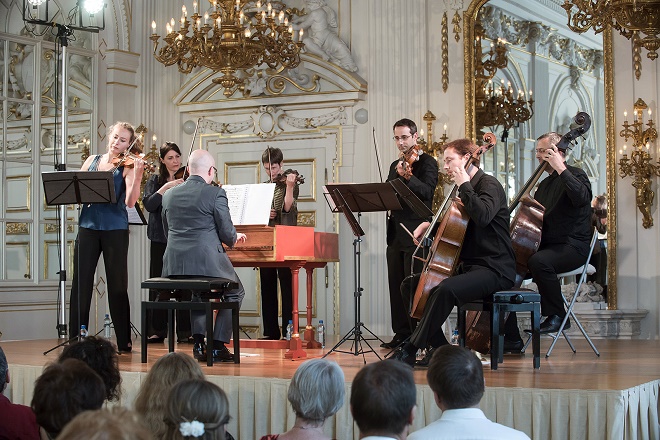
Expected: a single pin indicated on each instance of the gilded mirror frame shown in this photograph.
(469, 17)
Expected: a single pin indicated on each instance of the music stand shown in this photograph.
(411, 199)
(349, 198)
(79, 187)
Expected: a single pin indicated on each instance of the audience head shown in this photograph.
(152, 398)
(383, 398)
(202, 164)
(63, 391)
(116, 423)
(197, 409)
(101, 355)
(4, 371)
(316, 391)
(456, 377)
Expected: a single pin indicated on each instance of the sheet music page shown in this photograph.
(135, 216)
(330, 199)
(250, 204)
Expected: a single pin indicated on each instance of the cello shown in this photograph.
(525, 230)
(446, 246)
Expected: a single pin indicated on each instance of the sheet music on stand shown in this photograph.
(411, 199)
(136, 216)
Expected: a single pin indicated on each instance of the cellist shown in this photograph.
(565, 236)
(487, 261)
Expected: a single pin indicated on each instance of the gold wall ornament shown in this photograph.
(435, 149)
(456, 21)
(638, 20)
(639, 165)
(231, 37)
(445, 53)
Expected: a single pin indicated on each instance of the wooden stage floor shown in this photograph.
(621, 365)
(572, 396)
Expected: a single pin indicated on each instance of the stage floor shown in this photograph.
(569, 397)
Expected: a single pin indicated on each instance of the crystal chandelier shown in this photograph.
(232, 37)
(496, 105)
(636, 19)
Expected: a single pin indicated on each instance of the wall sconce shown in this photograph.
(639, 165)
(435, 149)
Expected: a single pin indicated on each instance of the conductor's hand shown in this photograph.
(240, 238)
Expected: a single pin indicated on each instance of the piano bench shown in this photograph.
(202, 286)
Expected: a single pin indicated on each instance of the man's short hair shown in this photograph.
(272, 156)
(382, 396)
(317, 390)
(456, 375)
(4, 367)
(406, 123)
(553, 138)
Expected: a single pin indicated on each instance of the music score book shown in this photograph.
(250, 204)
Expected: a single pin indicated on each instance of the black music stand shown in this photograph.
(349, 198)
(79, 187)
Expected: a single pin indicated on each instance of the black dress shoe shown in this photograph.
(552, 323)
(400, 354)
(424, 362)
(155, 339)
(222, 355)
(199, 351)
(395, 342)
(185, 340)
(513, 346)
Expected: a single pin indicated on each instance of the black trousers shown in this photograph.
(90, 244)
(544, 266)
(269, 277)
(157, 319)
(398, 268)
(472, 283)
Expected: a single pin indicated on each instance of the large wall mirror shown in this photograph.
(525, 49)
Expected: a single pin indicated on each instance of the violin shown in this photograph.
(282, 178)
(127, 158)
(448, 241)
(408, 158)
(182, 173)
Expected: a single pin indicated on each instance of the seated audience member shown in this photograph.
(116, 423)
(316, 392)
(197, 409)
(151, 400)
(383, 400)
(101, 355)
(17, 422)
(63, 391)
(456, 377)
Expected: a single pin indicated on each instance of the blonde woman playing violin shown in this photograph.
(103, 229)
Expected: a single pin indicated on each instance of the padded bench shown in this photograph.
(513, 300)
(207, 288)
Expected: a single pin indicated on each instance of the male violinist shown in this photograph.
(283, 211)
(197, 223)
(419, 172)
(565, 235)
(486, 261)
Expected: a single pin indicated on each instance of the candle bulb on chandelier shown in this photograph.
(280, 17)
(153, 26)
(445, 128)
(300, 37)
(218, 22)
(269, 7)
(241, 17)
(625, 116)
(184, 11)
(195, 6)
(263, 17)
(206, 17)
(421, 133)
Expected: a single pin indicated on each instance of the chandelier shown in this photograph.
(497, 104)
(638, 20)
(232, 37)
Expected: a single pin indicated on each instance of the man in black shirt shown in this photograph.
(487, 261)
(419, 172)
(566, 232)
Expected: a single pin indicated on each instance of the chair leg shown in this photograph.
(584, 333)
(209, 334)
(496, 354)
(143, 317)
(536, 335)
(460, 323)
(560, 332)
(170, 330)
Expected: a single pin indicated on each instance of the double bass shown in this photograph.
(446, 246)
(525, 231)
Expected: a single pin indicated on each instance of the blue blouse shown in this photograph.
(106, 216)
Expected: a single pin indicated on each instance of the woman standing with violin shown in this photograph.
(486, 262)
(283, 211)
(156, 187)
(103, 229)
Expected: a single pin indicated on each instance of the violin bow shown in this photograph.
(192, 144)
